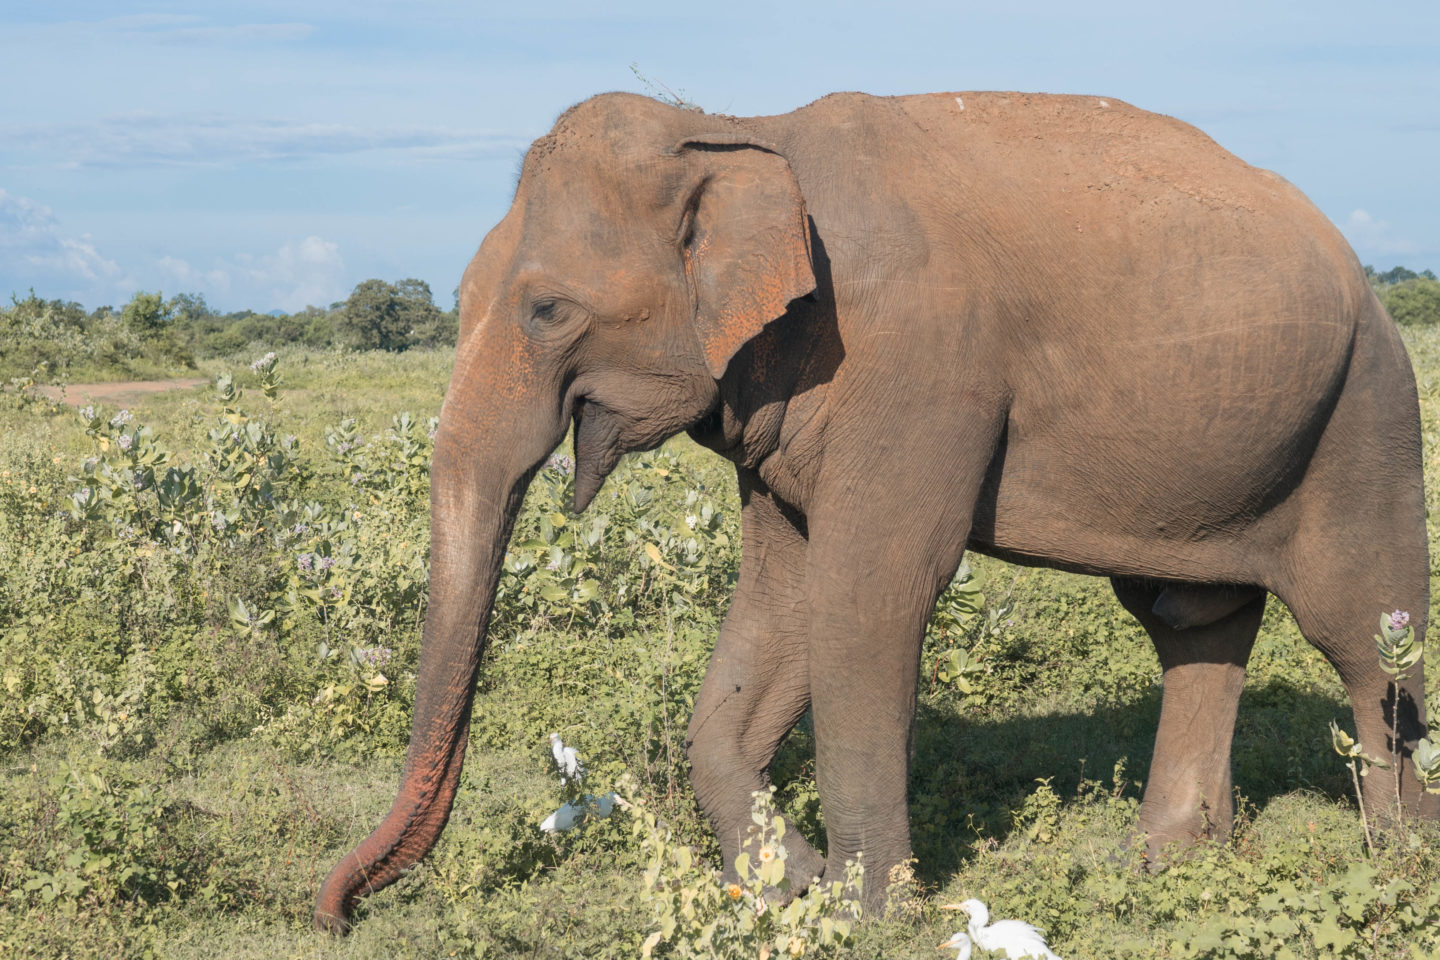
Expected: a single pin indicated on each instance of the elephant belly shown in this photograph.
(1169, 456)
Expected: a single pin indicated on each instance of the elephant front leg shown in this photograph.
(757, 686)
(879, 559)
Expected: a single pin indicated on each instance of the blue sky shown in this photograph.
(272, 155)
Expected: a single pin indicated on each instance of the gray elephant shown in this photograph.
(1056, 330)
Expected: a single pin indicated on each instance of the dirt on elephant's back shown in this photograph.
(120, 392)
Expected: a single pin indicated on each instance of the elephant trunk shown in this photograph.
(476, 495)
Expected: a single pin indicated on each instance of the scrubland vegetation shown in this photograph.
(58, 341)
(209, 627)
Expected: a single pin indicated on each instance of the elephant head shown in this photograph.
(644, 247)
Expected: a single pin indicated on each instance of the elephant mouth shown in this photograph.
(597, 449)
(709, 432)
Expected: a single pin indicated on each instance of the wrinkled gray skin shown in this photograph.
(1057, 330)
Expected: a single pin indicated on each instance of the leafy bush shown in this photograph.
(54, 341)
(696, 915)
(105, 836)
(1413, 303)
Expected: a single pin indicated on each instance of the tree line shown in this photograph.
(54, 340)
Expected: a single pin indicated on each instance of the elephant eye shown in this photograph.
(545, 311)
(554, 316)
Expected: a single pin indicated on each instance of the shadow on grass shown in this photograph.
(969, 775)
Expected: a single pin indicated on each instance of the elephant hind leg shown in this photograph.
(1188, 793)
(1347, 586)
(1359, 550)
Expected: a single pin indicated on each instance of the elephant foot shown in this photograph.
(803, 867)
(1163, 840)
(885, 889)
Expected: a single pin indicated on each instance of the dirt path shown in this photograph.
(116, 393)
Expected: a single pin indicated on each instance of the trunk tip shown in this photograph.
(330, 916)
(331, 924)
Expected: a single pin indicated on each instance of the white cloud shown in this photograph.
(308, 272)
(23, 223)
(78, 258)
(190, 280)
(1370, 236)
(218, 139)
(35, 252)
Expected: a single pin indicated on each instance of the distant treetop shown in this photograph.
(1396, 275)
(1412, 299)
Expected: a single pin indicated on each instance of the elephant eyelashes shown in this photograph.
(551, 316)
(555, 317)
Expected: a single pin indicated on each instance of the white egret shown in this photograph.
(566, 761)
(571, 814)
(563, 819)
(1016, 937)
(960, 943)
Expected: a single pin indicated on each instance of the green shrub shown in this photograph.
(697, 915)
(1413, 303)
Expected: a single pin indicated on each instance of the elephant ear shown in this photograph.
(746, 242)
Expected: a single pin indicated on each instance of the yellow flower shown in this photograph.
(732, 890)
(797, 946)
(766, 854)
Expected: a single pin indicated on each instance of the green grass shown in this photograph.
(1023, 792)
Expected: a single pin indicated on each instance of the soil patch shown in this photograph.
(118, 393)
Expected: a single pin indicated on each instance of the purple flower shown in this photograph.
(376, 656)
(123, 441)
(553, 564)
(264, 364)
(138, 480)
(87, 413)
(1399, 620)
(122, 418)
(562, 463)
(306, 562)
(299, 529)
(326, 563)
(355, 480)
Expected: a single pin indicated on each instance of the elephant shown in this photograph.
(1057, 330)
